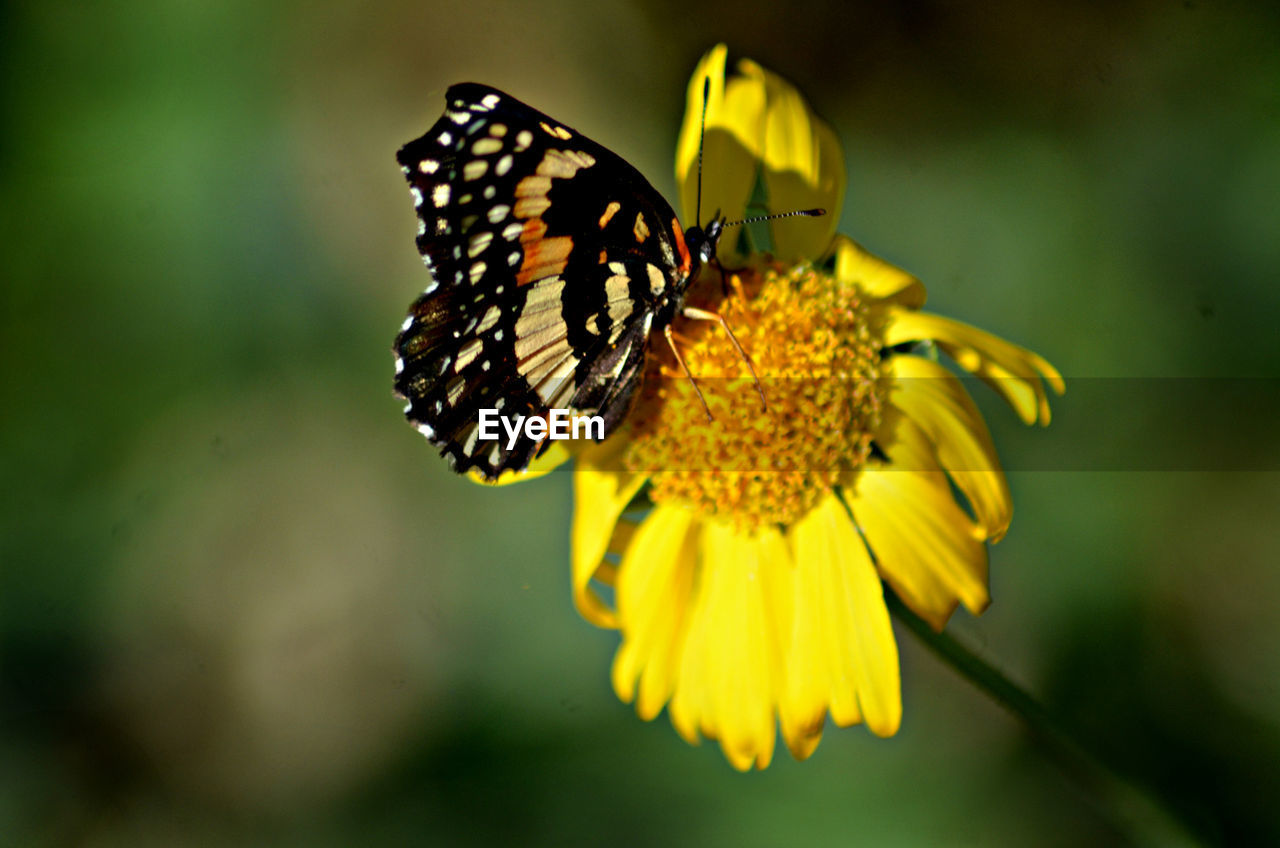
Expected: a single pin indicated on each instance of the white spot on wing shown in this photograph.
(467, 354)
(454, 390)
(428, 166)
(668, 255)
(562, 164)
(657, 280)
(469, 447)
(504, 165)
(478, 243)
(490, 318)
(474, 169)
(497, 213)
(440, 195)
(617, 299)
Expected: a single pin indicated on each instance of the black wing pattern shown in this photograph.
(552, 260)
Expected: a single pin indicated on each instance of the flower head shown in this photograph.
(747, 556)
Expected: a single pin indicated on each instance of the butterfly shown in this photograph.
(553, 263)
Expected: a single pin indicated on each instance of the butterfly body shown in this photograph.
(553, 262)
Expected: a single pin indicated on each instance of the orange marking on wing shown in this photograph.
(534, 230)
(531, 196)
(609, 212)
(544, 258)
(686, 261)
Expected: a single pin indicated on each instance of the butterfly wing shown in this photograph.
(551, 261)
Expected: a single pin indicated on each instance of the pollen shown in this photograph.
(817, 354)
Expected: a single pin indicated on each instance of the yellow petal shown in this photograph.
(803, 169)
(653, 588)
(809, 686)
(860, 647)
(734, 140)
(925, 545)
(600, 496)
(556, 455)
(1016, 373)
(729, 671)
(929, 395)
(874, 276)
(689, 702)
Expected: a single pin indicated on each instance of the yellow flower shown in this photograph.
(746, 557)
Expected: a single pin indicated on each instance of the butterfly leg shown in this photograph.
(666, 333)
(704, 315)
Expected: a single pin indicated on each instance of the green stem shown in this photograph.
(1137, 810)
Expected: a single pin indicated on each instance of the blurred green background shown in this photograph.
(242, 603)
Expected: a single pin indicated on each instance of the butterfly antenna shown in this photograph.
(808, 213)
(702, 137)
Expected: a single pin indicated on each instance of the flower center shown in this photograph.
(818, 360)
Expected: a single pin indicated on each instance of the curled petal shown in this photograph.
(925, 545)
(1016, 373)
(935, 401)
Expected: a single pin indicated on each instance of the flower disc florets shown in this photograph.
(818, 359)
